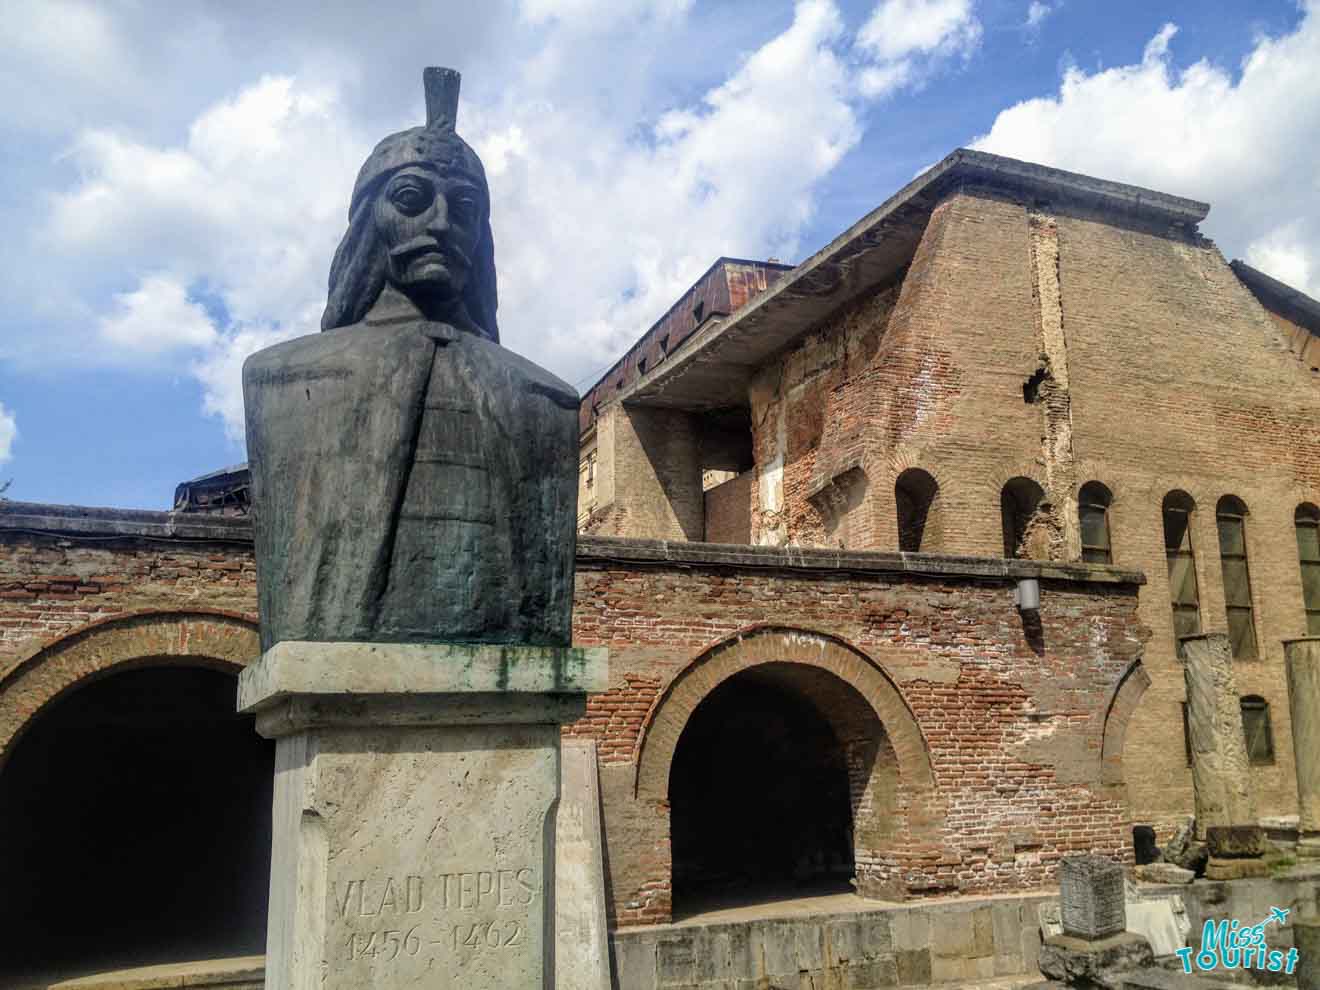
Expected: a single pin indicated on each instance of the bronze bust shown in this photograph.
(413, 481)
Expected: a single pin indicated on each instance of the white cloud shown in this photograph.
(610, 195)
(8, 433)
(157, 316)
(219, 370)
(1245, 143)
(907, 39)
(1037, 12)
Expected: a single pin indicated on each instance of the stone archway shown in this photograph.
(1122, 704)
(890, 785)
(134, 800)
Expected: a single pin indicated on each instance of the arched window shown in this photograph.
(1093, 514)
(914, 497)
(1231, 518)
(1178, 509)
(1018, 503)
(1308, 551)
(1256, 727)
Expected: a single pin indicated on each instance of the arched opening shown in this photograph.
(782, 781)
(135, 827)
(1024, 524)
(915, 493)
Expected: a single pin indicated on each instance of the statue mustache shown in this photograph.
(429, 245)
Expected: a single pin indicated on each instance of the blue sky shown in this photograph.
(176, 176)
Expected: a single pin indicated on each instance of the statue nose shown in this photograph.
(439, 222)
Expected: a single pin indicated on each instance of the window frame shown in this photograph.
(1181, 502)
(1096, 495)
(1307, 516)
(1254, 702)
(1232, 508)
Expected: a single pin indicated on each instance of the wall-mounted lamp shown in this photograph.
(1027, 595)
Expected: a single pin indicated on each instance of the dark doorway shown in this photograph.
(135, 827)
(759, 796)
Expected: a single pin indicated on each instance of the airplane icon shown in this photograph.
(1279, 915)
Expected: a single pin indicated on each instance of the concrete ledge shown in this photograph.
(80, 522)
(101, 523)
(593, 550)
(345, 670)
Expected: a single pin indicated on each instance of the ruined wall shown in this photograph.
(728, 510)
(1055, 344)
(647, 474)
(1180, 380)
(926, 374)
(1010, 721)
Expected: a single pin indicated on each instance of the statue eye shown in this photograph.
(463, 207)
(411, 199)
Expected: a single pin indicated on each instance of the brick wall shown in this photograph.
(1006, 725)
(1011, 720)
(52, 585)
(728, 510)
(1150, 368)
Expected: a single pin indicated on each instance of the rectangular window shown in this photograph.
(1183, 592)
(1256, 728)
(1095, 534)
(1308, 552)
(1237, 583)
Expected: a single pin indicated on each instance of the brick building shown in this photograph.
(1005, 359)
(809, 497)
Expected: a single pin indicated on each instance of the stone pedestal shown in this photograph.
(1302, 658)
(1220, 771)
(415, 787)
(1091, 897)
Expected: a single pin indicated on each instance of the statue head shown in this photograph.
(419, 220)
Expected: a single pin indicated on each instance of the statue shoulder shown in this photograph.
(272, 363)
(530, 377)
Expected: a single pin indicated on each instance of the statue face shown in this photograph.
(430, 225)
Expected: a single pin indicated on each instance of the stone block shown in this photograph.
(1235, 869)
(910, 928)
(1077, 960)
(983, 933)
(873, 973)
(1091, 896)
(1163, 873)
(1235, 841)
(913, 966)
(858, 939)
(581, 934)
(411, 829)
(951, 935)
(634, 961)
(676, 962)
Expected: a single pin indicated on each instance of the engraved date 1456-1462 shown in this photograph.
(494, 891)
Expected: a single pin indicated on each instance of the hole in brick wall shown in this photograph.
(762, 789)
(135, 817)
(1143, 844)
(1031, 387)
